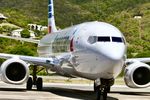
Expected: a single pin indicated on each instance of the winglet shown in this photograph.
(51, 19)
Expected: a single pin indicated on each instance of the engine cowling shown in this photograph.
(137, 75)
(14, 71)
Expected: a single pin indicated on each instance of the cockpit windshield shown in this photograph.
(103, 39)
(117, 39)
(94, 39)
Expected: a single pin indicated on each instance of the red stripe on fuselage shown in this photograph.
(49, 29)
(71, 45)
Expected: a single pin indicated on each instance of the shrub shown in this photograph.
(25, 33)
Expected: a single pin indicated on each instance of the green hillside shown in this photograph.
(22, 12)
(69, 12)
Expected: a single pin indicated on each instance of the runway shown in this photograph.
(59, 91)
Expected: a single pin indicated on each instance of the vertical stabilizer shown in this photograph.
(51, 19)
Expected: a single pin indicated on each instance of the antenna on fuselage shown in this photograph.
(51, 19)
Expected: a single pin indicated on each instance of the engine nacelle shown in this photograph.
(137, 75)
(14, 71)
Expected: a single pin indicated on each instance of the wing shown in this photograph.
(21, 39)
(56, 61)
(144, 60)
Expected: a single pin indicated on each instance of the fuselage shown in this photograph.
(97, 48)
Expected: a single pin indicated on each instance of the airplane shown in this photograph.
(92, 50)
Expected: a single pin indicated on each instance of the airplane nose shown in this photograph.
(113, 51)
(116, 52)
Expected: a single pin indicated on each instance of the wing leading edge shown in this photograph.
(144, 60)
(56, 61)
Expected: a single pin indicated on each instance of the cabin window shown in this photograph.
(60, 44)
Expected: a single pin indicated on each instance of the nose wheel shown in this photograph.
(102, 88)
(101, 92)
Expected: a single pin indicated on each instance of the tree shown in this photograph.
(22, 50)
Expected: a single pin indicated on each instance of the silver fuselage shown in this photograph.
(97, 48)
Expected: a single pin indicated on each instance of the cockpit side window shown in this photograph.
(92, 39)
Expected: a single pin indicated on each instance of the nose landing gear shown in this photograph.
(102, 87)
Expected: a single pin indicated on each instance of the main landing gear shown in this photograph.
(102, 87)
(36, 81)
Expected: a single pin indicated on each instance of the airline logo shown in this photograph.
(71, 45)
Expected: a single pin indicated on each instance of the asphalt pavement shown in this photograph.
(62, 91)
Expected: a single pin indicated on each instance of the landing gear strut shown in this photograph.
(102, 87)
(37, 81)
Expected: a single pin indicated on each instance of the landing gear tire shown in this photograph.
(98, 93)
(39, 84)
(105, 93)
(95, 87)
(108, 89)
(29, 84)
(102, 88)
(101, 92)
